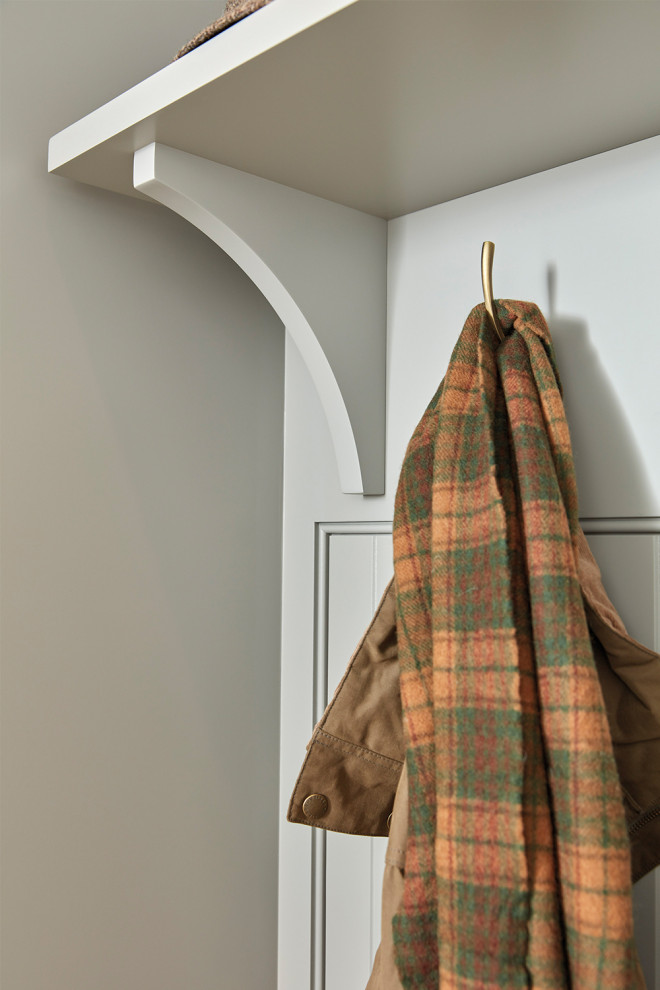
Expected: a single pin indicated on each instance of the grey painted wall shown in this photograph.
(141, 468)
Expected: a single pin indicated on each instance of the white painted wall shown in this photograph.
(581, 242)
(141, 467)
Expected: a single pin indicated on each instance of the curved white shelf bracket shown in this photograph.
(322, 267)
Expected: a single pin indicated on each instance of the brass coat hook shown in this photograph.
(487, 252)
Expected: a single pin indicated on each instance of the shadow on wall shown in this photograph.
(611, 474)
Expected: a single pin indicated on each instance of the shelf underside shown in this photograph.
(390, 106)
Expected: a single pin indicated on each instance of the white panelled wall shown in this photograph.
(579, 241)
(359, 565)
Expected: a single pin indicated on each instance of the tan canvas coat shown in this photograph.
(353, 778)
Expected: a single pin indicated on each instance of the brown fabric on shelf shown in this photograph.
(235, 10)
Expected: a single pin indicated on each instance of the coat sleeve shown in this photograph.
(629, 675)
(349, 776)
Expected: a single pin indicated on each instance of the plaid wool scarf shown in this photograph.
(517, 861)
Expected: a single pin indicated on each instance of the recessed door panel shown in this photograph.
(630, 566)
(360, 566)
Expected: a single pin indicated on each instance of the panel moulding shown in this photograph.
(319, 849)
(323, 268)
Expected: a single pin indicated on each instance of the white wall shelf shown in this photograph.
(353, 112)
(390, 106)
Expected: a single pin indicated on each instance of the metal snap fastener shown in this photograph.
(315, 806)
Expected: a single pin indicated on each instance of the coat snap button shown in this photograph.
(315, 806)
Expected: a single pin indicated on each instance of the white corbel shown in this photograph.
(323, 268)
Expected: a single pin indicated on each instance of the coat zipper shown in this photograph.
(644, 819)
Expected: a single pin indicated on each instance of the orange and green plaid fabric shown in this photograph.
(517, 868)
